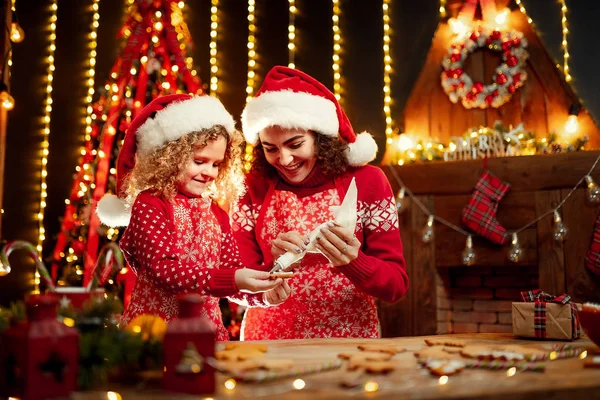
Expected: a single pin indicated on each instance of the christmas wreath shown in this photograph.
(508, 77)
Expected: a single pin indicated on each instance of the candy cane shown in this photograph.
(23, 245)
(110, 252)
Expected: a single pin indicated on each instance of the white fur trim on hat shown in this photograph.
(289, 109)
(180, 118)
(362, 151)
(113, 211)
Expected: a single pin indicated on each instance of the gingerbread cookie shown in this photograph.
(237, 366)
(444, 367)
(254, 364)
(366, 355)
(244, 346)
(283, 275)
(445, 342)
(372, 367)
(505, 352)
(238, 355)
(381, 348)
(433, 352)
(452, 350)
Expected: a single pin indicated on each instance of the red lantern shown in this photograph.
(458, 72)
(489, 99)
(501, 79)
(496, 35)
(471, 96)
(512, 88)
(39, 357)
(477, 87)
(455, 57)
(474, 36)
(188, 342)
(517, 41)
(511, 61)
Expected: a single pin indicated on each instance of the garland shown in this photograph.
(508, 77)
(475, 142)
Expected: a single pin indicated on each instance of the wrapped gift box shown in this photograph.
(543, 316)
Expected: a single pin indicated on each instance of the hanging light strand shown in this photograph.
(251, 50)
(46, 131)
(387, 69)
(337, 47)
(443, 8)
(565, 44)
(524, 11)
(593, 196)
(92, 68)
(292, 33)
(9, 61)
(214, 68)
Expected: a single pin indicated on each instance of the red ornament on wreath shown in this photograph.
(508, 77)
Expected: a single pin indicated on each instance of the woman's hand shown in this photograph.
(288, 241)
(278, 295)
(253, 281)
(338, 244)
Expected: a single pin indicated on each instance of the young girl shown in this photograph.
(305, 157)
(178, 154)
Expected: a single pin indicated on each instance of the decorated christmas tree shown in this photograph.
(154, 61)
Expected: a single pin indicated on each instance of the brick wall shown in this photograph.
(479, 299)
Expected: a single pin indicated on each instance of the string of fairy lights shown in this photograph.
(46, 132)
(443, 8)
(515, 252)
(92, 68)
(565, 33)
(564, 43)
(214, 26)
(292, 10)
(251, 50)
(337, 48)
(387, 69)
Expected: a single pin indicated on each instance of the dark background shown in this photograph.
(413, 23)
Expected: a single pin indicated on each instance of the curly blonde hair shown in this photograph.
(160, 170)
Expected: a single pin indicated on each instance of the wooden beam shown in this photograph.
(527, 173)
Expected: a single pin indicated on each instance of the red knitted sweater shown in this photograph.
(181, 246)
(325, 301)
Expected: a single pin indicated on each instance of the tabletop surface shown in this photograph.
(562, 378)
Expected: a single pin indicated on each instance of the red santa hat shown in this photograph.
(289, 98)
(163, 120)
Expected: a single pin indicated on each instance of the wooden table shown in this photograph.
(562, 379)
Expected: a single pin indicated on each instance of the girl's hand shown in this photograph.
(278, 295)
(253, 281)
(288, 241)
(338, 244)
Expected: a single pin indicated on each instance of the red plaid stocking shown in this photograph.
(480, 214)
(592, 260)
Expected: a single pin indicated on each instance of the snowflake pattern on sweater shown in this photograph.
(324, 302)
(190, 253)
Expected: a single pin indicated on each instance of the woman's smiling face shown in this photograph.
(292, 152)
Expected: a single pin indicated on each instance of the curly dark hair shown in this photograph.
(161, 169)
(331, 157)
